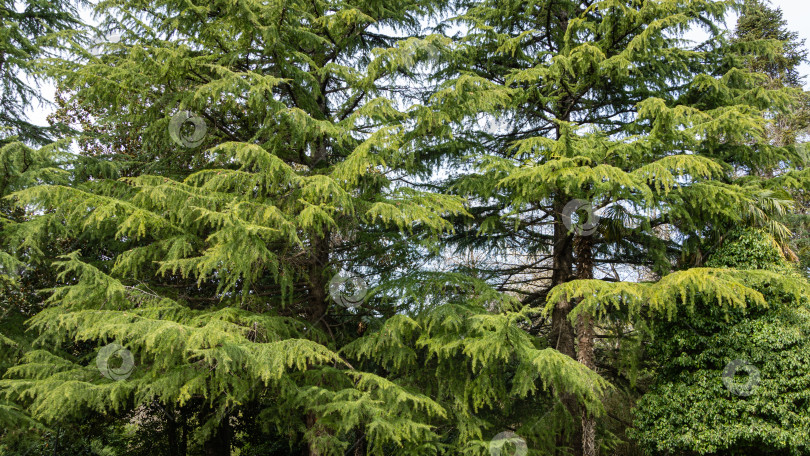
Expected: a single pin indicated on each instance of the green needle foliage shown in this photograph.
(236, 156)
(606, 103)
(31, 30)
(206, 248)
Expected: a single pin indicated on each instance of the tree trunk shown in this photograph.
(318, 258)
(562, 332)
(562, 336)
(172, 435)
(318, 305)
(585, 338)
(219, 444)
(360, 446)
(318, 261)
(312, 424)
(586, 356)
(183, 434)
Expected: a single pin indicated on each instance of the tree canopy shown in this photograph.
(404, 228)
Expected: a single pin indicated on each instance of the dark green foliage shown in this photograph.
(31, 30)
(689, 410)
(759, 21)
(750, 249)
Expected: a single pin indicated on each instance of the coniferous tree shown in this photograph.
(758, 353)
(759, 22)
(604, 108)
(30, 31)
(236, 156)
(276, 145)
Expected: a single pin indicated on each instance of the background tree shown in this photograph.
(693, 354)
(31, 31)
(760, 22)
(760, 410)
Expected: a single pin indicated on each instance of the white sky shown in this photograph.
(797, 13)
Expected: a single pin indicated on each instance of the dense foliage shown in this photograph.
(404, 228)
(692, 410)
(666, 141)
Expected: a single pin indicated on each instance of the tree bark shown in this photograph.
(219, 444)
(172, 435)
(312, 423)
(183, 434)
(318, 305)
(318, 261)
(585, 338)
(586, 356)
(360, 446)
(319, 252)
(562, 336)
(562, 332)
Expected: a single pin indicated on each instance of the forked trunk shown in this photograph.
(562, 336)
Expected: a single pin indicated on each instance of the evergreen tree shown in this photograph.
(276, 145)
(31, 31)
(606, 109)
(522, 222)
(759, 22)
(749, 367)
